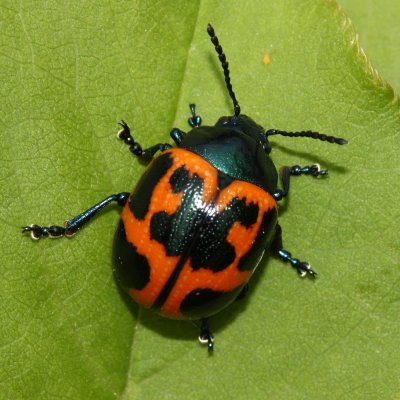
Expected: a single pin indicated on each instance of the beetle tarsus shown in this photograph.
(313, 170)
(206, 337)
(37, 231)
(195, 120)
(303, 268)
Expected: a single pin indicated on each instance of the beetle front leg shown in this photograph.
(73, 225)
(135, 148)
(286, 172)
(303, 268)
(195, 120)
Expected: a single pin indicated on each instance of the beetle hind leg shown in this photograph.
(303, 268)
(205, 336)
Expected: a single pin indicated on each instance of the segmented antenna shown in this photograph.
(309, 134)
(225, 67)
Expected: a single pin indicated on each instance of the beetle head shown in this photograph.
(248, 126)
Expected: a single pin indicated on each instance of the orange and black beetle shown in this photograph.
(197, 223)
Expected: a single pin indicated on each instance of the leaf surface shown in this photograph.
(379, 32)
(70, 73)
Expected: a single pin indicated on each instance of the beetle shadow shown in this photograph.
(312, 158)
(178, 330)
(188, 330)
(227, 316)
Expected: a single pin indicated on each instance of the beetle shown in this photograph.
(198, 222)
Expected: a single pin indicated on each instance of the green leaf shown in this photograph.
(378, 27)
(70, 73)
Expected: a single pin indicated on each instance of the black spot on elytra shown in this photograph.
(160, 227)
(179, 179)
(211, 249)
(140, 199)
(132, 270)
(250, 260)
(201, 303)
(175, 231)
(249, 215)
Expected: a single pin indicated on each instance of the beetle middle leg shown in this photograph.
(286, 172)
(303, 268)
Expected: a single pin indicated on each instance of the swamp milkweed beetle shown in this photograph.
(195, 227)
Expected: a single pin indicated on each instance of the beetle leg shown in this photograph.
(73, 225)
(135, 148)
(177, 135)
(303, 268)
(285, 178)
(206, 337)
(286, 172)
(195, 120)
(314, 170)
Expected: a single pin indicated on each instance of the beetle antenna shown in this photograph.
(309, 134)
(225, 67)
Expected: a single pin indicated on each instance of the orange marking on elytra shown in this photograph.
(240, 237)
(163, 199)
